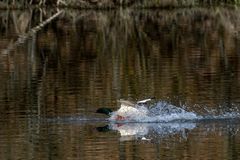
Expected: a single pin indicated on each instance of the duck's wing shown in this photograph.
(145, 101)
(126, 103)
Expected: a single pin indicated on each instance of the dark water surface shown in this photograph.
(53, 80)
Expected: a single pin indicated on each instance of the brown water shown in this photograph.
(52, 81)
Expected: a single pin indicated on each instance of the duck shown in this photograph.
(127, 110)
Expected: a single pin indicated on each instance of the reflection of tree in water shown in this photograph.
(90, 58)
(98, 55)
(19, 62)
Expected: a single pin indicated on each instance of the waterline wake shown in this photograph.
(164, 111)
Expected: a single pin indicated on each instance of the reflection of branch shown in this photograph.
(23, 37)
(59, 2)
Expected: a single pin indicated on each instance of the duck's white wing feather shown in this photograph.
(144, 101)
(126, 103)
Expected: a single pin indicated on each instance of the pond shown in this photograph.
(54, 76)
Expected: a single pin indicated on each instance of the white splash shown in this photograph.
(160, 112)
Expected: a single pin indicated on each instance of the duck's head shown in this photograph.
(106, 111)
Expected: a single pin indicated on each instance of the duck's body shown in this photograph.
(127, 111)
